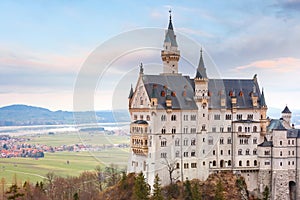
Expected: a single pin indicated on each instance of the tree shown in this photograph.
(266, 193)
(157, 195)
(195, 191)
(219, 191)
(141, 189)
(171, 167)
(14, 192)
(187, 190)
(123, 181)
(100, 177)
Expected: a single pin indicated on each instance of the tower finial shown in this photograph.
(141, 69)
(170, 11)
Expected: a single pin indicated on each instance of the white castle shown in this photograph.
(185, 128)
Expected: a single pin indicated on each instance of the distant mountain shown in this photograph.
(15, 115)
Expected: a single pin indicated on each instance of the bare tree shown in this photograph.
(171, 167)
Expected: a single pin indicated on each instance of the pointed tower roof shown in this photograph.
(131, 92)
(201, 71)
(170, 35)
(262, 99)
(286, 110)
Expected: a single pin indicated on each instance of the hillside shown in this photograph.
(16, 115)
(228, 185)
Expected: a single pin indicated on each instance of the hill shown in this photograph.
(17, 115)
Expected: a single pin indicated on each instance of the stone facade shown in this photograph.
(184, 128)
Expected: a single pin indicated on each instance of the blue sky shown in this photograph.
(44, 45)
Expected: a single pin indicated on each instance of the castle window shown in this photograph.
(173, 94)
(280, 142)
(221, 129)
(163, 93)
(255, 162)
(231, 93)
(214, 152)
(254, 129)
(148, 118)
(214, 129)
(141, 101)
(193, 165)
(177, 142)
(185, 142)
(163, 155)
(177, 165)
(210, 140)
(280, 163)
(229, 140)
(163, 143)
(135, 117)
(229, 162)
(217, 117)
(221, 152)
(289, 163)
(193, 142)
(185, 130)
(254, 140)
(203, 163)
(245, 141)
(250, 116)
(240, 152)
(280, 153)
(289, 152)
(293, 152)
(229, 152)
(214, 163)
(163, 118)
(173, 130)
(267, 162)
(193, 117)
(228, 116)
(289, 142)
(185, 154)
(221, 140)
(203, 127)
(163, 131)
(241, 94)
(186, 165)
(247, 152)
(254, 152)
(193, 153)
(185, 117)
(240, 129)
(241, 141)
(239, 116)
(293, 163)
(267, 153)
(240, 163)
(173, 117)
(292, 142)
(248, 163)
(193, 130)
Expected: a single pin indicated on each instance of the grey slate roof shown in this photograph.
(293, 133)
(262, 100)
(130, 93)
(286, 110)
(275, 124)
(201, 71)
(171, 83)
(183, 84)
(170, 35)
(266, 143)
(140, 122)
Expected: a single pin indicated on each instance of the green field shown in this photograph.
(35, 169)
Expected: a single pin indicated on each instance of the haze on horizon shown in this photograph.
(45, 44)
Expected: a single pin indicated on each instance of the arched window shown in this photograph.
(193, 142)
(193, 153)
(254, 152)
(210, 140)
(177, 154)
(229, 140)
(185, 142)
(163, 131)
(177, 142)
(255, 162)
(248, 163)
(148, 118)
(221, 140)
(173, 117)
(163, 143)
(247, 152)
(254, 129)
(229, 162)
(173, 130)
(255, 140)
(240, 163)
(163, 118)
(239, 129)
(214, 163)
(240, 152)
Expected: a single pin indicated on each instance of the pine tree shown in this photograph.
(157, 195)
(219, 191)
(266, 193)
(187, 190)
(195, 191)
(141, 189)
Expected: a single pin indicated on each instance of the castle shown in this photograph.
(184, 128)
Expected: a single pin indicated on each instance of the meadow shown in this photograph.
(24, 169)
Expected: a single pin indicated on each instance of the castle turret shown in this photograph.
(263, 114)
(286, 115)
(170, 55)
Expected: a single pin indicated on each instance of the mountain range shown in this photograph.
(22, 115)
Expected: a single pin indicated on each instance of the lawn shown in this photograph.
(35, 169)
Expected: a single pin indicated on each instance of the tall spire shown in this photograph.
(262, 99)
(170, 21)
(131, 92)
(201, 71)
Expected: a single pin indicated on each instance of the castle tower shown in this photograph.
(263, 114)
(286, 115)
(170, 54)
(201, 93)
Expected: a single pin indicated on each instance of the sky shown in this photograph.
(48, 47)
